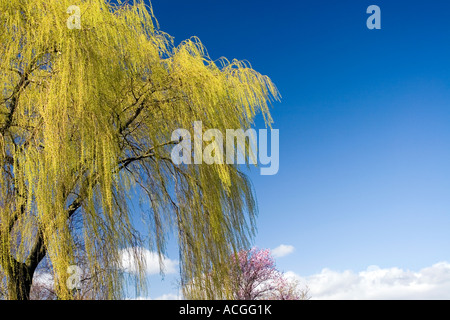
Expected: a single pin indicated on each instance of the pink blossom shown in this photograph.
(255, 277)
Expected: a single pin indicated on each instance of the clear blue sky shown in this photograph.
(364, 125)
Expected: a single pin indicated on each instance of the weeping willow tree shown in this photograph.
(86, 117)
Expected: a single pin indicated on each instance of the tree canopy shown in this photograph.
(86, 116)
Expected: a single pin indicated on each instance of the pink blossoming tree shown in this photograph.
(255, 277)
(252, 276)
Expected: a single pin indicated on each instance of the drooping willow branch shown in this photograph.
(86, 118)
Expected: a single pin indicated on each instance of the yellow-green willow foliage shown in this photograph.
(86, 117)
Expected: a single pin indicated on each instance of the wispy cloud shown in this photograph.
(166, 296)
(376, 283)
(149, 259)
(282, 250)
(169, 296)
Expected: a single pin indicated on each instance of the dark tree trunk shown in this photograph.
(19, 283)
(21, 274)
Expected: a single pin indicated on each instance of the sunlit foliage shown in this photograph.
(86, 117)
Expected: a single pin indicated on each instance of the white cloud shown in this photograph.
(43, 279)
(282, 250)
(380, 284)
(150, 260)
(169, 296)
(166, 296)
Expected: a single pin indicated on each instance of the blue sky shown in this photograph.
(364, 126)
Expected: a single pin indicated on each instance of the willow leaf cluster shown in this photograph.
(86, 117)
